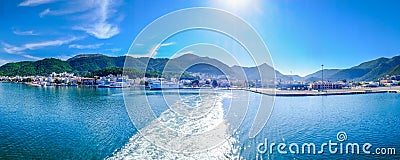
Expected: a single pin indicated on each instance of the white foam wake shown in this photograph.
(183, 132)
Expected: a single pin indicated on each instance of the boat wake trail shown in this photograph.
(192, 128)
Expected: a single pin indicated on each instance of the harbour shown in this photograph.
(351, 91)
(214, 79)
(52, 120)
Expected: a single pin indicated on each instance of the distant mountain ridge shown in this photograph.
(317, 76)
(368, 71)
(84, 63)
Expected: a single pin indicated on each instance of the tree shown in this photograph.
(57, 81)
(142, 82)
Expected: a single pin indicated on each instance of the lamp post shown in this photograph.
(323, 86)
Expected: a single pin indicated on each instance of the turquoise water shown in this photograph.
(368, 118)
(61, 122)
(90, 123)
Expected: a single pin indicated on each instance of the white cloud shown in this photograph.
(10, 48)
(33, 46)
(150, 53)
(17, 50)
(90, 46)
(153, 51)
(2, 62)
(99, 24)
(35, 2)
(95, 16)
(25, 33)
(114, 49)
(91, 53)
(63, 57)
(31, 57)
(71, 7)
(100, 30)
(45, 12)
(167, 44)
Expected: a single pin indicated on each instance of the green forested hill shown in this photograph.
(371, 70)
(86, 63)
(41, 67)
(89, 63)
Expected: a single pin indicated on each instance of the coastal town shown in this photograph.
(209, 81)
(114, 81)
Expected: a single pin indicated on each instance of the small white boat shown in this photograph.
(119, 85)
(33, 84)
(103, 86)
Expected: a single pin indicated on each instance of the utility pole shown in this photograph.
(291, 78)
(323, 85)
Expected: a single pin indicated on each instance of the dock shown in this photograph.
(276, 92)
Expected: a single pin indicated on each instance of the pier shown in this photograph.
(276, 92)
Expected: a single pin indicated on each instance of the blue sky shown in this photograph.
(300, 34)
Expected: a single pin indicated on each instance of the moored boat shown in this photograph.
(159, 85)
(119, 85)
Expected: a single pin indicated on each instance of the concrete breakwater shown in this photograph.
(275, 92)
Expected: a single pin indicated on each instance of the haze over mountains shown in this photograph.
(371, 70)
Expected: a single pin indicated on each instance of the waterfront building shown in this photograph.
(326, 85)
(87, 81)
(298, 86)
(388, 82)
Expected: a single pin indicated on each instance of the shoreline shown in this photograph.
(280, 93)
(329, 92)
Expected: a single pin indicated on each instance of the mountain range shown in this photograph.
(84, 63)
(367, 71)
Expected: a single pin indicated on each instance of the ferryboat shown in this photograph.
(159, 85)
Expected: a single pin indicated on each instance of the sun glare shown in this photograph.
(237, 6)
